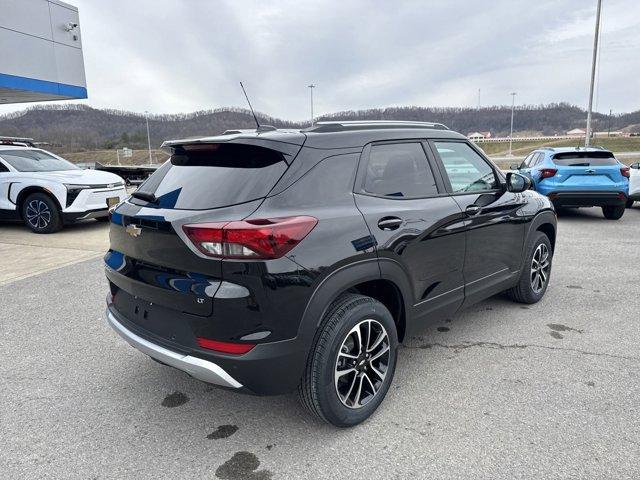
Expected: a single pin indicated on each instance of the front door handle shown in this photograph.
(472, 210)
(389, 223)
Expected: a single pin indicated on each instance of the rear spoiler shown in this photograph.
(286, 143)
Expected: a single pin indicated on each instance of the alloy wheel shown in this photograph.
(38, 214)
(540, 265)
(362, 363)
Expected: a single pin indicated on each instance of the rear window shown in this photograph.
(199, 177)
(584, 159)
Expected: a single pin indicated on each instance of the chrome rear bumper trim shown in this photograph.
(196, 367)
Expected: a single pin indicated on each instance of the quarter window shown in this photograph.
(466, 169)
(399, 170)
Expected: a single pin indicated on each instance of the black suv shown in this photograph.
(268, 261)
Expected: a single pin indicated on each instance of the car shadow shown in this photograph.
(572, 214)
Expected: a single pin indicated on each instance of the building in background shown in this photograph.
(40, 52)
(474, 136)
(577, 132)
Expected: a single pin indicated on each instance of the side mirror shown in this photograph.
(635, 166)
(517, 183)
(515, 166)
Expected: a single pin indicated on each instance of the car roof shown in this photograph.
(328, 135)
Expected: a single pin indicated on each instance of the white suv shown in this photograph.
(46, 191)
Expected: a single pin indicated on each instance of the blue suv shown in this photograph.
(579, 177)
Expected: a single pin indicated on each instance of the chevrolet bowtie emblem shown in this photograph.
(133, 230)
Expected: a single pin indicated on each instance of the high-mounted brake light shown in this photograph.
(225, 347)
(548, 173)
(625, 171)
(247, 239)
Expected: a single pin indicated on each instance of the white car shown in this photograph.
(634, 184)
(46, 191)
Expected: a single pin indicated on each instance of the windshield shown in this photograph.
(35, 161)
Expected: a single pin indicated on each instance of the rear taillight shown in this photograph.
(625, 172)
(548, 173)
(247, 239)
(225, 347)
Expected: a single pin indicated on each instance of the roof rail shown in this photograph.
(346, 125)
(19, 141)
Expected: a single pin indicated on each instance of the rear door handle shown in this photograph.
(472, 210)
(389, 223)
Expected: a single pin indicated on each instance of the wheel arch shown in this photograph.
(547, 223)
(384, 281)
(25, 192)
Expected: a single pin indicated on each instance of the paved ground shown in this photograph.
(25, 254)
(500, 391)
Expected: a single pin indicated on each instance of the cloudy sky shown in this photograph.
(181, 56)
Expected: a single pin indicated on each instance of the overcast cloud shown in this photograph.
(181, 56)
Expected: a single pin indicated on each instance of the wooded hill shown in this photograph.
(80, 127)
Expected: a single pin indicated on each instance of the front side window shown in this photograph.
(399, 170)
(466, 169)
(35, 161)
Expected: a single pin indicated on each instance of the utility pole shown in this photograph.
(587, 139)
(146, 114)
(478, 99)
(609, 126)
(513, 104)
(311, 87)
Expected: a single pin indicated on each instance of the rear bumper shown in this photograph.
(587, 198)
(268, 369)
(196, 367)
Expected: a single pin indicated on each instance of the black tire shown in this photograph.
(319, 389)
(613, 212)
(41, 214)
(524, 291)
(104, 219)
(629, 203)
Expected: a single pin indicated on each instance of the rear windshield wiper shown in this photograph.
(147, 197)
(583, 164)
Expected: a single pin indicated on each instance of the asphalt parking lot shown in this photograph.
(500, 391)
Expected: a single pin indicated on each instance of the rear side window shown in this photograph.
(399, 170)
(539, 159)
(584, 159)
(199, 177)
(467, 171)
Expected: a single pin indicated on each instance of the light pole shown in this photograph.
(513, 104)
(587, 139)
(311, 87)
(146, 114)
